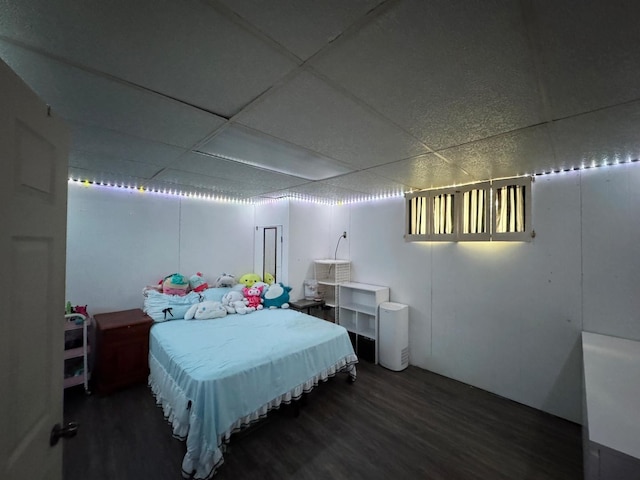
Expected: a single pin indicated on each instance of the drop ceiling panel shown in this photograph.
(323, 190)
(368, 183)
(255, 148)
(524, 152)
(119, 178)
(309, 112)
(217, 186)
(187, 51)
(100, 141)
(446, 72)
(594, 64)
(93, 100)
(234, 171)
(107, 167)
(304, 26)
(603, 136)
(425, 171)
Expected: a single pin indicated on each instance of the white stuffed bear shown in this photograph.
(205, 310)
(234, 302)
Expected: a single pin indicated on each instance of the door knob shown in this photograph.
(58, 431)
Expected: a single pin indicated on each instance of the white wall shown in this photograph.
(118, 241)
(505, 317)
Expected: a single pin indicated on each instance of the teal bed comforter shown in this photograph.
(214, 377)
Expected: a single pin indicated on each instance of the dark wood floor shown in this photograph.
(388, 425)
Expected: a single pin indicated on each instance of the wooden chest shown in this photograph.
(122, 344)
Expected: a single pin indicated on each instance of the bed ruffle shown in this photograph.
(203, 459)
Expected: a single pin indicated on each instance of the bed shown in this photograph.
(215, 377)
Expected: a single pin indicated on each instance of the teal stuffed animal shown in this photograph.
(276, 296)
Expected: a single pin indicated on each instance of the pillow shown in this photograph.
(162, 307)
(214, 294)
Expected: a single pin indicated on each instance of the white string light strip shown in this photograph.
(308, 198)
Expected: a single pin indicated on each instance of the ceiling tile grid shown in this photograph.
(228, 170)
(82, 97)
(107, 165)
(101, 141)
(448, 72)
(259, 149)
(302, 26)
(589, 52)
(186, 51)
(603, 136)
(217, 186)
(310, 113)
(523, 152)
(424, 171)
(330, 100)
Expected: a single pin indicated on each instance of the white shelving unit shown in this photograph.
(330, 274)
(358, 313)
(76, 351)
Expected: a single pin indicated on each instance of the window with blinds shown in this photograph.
(498, 210)
(512, 209)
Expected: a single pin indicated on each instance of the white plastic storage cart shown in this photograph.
(394, 336)
(76, 351)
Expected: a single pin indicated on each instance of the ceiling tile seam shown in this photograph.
(352, 29)
(81, 124)
(279, 140)
(380, 115)
(528, 18)
(106, 76)
(277, 85)
(247, 26)
(303, 180)
(301, 67)
(121, 158)
(361, 192)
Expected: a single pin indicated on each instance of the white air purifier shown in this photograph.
(393, 336)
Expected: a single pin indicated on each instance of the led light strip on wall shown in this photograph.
(309, 198)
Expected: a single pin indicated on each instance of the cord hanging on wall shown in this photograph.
(335, 254)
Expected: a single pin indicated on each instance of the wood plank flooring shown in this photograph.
(388, 425)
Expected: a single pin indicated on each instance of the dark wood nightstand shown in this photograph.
(122, 344)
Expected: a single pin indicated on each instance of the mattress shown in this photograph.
(214, 377)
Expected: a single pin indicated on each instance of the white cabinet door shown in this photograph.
(33, 215)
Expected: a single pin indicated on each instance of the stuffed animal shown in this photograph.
(248, 279)
(276, 296)
(254, 297)
(81, 309)
(268, 279)
(197, 283)
(205, 310)
(175, 284)
(235, 302)
(225, 280)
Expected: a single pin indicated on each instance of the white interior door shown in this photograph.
(33, 203)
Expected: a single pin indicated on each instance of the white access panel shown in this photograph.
(393, 352)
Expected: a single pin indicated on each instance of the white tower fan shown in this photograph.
(393, 333)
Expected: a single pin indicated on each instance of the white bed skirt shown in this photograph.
(203, 457)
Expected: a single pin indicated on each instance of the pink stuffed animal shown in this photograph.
(254, 297)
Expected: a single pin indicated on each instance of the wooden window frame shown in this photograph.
(426, 200)
(526, 234)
